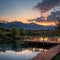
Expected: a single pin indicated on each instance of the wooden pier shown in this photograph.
(42, 41)
(48, 55)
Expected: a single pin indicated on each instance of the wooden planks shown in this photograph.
(48, 55)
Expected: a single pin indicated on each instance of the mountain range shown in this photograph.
(20, 25)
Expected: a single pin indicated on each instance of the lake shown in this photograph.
(20, 54)
(23, 53)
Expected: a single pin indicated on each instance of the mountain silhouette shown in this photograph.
(20, 25)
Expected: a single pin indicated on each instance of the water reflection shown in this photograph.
(46, 38)
(58, 39)
(20, 54)
(17, 52)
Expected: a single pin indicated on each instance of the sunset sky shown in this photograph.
(28, 11)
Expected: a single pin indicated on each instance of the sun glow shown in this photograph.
(46, 23)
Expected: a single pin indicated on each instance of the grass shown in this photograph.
(57, 57)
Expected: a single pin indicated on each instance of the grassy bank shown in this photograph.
(57, 57)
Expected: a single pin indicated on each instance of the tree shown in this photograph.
(58, 26)
(22, 32)
(15, 37)
(15, 32)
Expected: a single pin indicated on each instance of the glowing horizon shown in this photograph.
(46, 23)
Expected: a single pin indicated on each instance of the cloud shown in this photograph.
(47, 5)
(51, 20)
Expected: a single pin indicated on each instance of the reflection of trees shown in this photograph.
(15, 34)
(36, 49)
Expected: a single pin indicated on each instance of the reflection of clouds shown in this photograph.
(58, 39)
(21, 55)
(46, 39)
(41, 38)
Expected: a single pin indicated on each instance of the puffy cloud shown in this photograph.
(47, 5)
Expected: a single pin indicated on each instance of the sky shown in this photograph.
(18, 9)
(28, 11)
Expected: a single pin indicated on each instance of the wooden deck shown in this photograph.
(48, 55)
(37, 41)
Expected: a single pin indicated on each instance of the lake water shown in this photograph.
(20, 54)
(23, 53)
(46, 38)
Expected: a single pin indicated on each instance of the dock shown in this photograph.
(48, 55)
(41, 41)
